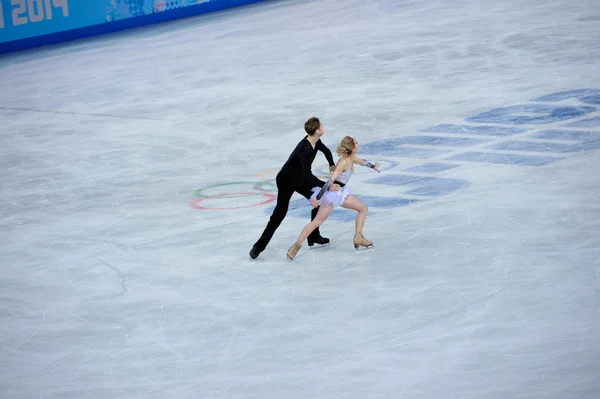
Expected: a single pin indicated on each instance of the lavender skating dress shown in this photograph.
(333, 197)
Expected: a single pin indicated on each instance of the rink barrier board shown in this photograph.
(27, 24)
(540, 132)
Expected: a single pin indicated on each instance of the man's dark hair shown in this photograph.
(312, 125)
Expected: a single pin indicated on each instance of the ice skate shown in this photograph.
(361, 241)
(322, 241)
(293, 251)
(254, 252)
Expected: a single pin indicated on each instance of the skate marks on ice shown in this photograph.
(66, 313)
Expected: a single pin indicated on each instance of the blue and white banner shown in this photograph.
(21, 19)
(25, 19)
(120, 9)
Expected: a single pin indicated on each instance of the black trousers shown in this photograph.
(284, 195)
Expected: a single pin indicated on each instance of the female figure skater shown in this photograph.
(327, 200)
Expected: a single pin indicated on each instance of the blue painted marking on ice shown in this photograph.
(565, 135)
(431, 167)
(530, 146)
(586, 96)
(439, 187)
(407, 152)
(385, 202)
(440, 141)
(398, 180)
(393, 148)
(510, 159)
(547, 146)
(482, 130)
(586, 146)
(419, 185)
(516, 115)
(590, 122)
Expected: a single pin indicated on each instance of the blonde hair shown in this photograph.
(346, 146)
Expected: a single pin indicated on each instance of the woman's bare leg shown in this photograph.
(322, 215)
(357, 205)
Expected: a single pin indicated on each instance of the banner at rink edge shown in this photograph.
(28, 24)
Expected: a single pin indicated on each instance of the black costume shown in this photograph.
(295, 176)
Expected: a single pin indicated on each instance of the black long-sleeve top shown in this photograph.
(297, 169)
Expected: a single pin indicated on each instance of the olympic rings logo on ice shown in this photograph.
(220, 196)
(240, 195)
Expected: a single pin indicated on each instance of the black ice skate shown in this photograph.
(254, 252)
(322, 241)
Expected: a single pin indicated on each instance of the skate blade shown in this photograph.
(368, 248)
(316, 246)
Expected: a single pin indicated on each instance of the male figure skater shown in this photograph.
(296, 176)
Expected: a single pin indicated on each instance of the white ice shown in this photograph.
(112, 285)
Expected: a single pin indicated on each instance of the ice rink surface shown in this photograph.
(137, 172)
